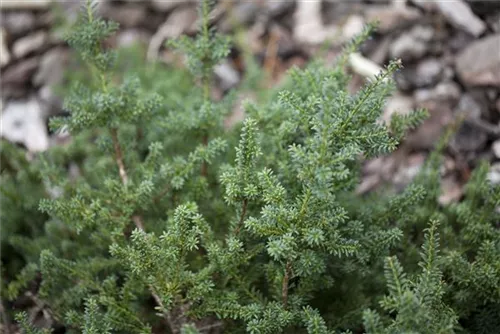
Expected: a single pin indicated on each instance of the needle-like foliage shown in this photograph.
(170, 223)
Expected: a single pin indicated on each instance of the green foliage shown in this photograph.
(172, 223)
(26, 327)
(417, 302)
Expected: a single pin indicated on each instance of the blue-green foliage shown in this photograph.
(173, 223)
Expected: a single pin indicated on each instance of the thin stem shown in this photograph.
(204, 167)
(286, 279)
(168, 316)
(137, 219)
(40, 306)
(119, 156)
(209, 327)
(242, 216)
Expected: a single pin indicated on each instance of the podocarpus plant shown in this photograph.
(167, 228)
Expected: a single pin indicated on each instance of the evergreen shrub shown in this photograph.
(172, 223)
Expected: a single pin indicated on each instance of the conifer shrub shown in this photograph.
(173, 223)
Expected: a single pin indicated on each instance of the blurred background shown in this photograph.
(450, 51)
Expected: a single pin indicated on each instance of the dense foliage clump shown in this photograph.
(172, 222)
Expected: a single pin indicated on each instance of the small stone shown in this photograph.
(459, 14)
(177, 23)
(18, 23)
(352, 27)
(52, 103)
(131, 37)
(243, 13)
(309, 27)
(447, 91)
(364, 66)
(391, 17)
(451, 191)
(496, 148)
(398, 103)
(479, 63)
(51, 69)
(22, 122)
(16, 77)
(428, 72)
(428, 134)
(128, 15)
(29, 44)
(26, 4)
(469, 138)
(4, 50)
(424, 74)
(469, 107)
(494, 173)
(413, 44)
(335, 11)
(166, 6)
(227, 75)
(408, 170)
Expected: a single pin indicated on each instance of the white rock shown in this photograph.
(459, 14)
(309, 27)
(25, 4)
(479, 63)
(4, 50)
(30, 43)
(352, 27)
(494, 173)
(496, 148)
(23, 122)
(364, 66)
